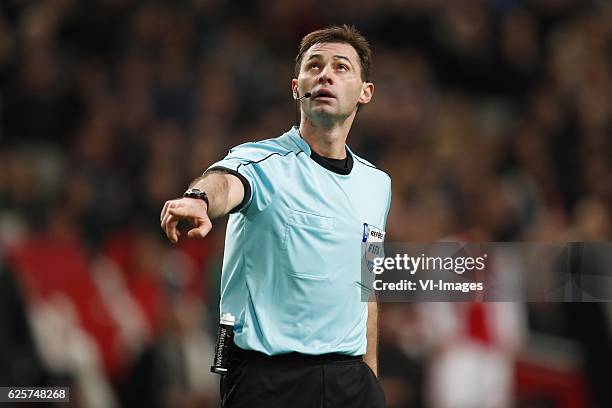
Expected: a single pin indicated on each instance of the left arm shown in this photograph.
(371, 356)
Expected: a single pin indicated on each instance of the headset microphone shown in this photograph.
(306, 95)
(297, 100)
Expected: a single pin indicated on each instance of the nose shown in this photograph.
(325, 76)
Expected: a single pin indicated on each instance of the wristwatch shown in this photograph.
(197, 193)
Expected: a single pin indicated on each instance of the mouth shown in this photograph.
(324, 94)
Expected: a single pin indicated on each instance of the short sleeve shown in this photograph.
(243, 162)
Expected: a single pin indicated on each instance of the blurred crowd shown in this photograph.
(493, 118)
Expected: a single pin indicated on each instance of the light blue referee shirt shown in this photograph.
(291, 266)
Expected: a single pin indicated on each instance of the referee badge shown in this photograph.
(372, 234)
(372, 244)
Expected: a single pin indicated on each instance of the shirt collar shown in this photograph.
(295, 135)
(303, 145)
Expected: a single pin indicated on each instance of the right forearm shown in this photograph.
(224, 191)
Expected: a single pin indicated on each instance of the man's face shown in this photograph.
(332, 73)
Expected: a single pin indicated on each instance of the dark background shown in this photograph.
(493, 118)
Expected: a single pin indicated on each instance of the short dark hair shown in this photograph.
(338, 34)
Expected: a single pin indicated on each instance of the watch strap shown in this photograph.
(198, 194)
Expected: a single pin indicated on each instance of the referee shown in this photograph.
(300, 207)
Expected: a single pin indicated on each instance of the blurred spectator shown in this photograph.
(493, 117)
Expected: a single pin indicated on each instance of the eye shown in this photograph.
(313, 65)
(343, 67)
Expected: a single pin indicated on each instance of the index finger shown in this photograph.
(181, 212)
(164, 210)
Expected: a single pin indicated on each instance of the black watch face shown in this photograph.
(196, 193)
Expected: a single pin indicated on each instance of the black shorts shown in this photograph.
(299, 381)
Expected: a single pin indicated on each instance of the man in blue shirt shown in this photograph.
(300, 206)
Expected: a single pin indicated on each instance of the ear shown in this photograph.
(367, 91)
(294, 88)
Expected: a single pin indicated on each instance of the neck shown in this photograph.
(326, 141)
